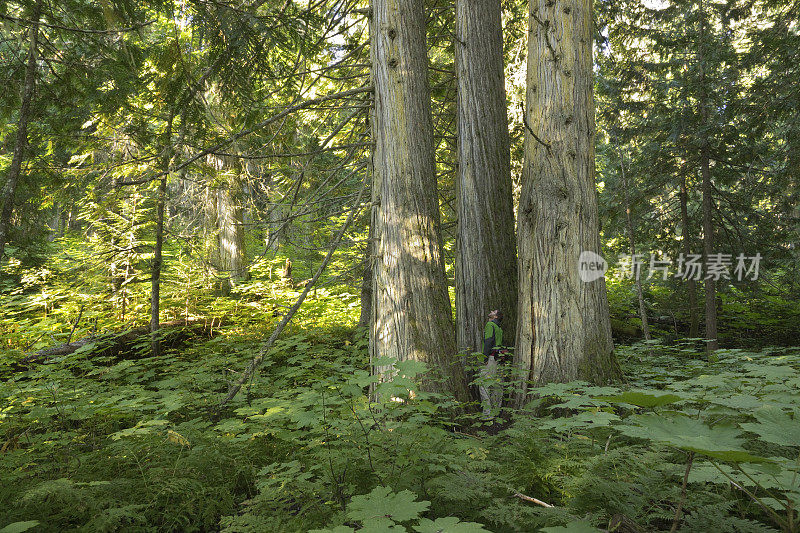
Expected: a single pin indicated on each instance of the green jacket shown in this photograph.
(492, 337)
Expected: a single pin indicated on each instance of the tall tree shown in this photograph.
(707, 115)
(564, 330)
(21, 144)
(225, 224)
(412, 314)
(158, 261)
(637, 279)
(691, 284)
(708, 201)
(486, 263)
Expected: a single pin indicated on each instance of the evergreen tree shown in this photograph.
(412, 317)
(563, 330)
(486, 267)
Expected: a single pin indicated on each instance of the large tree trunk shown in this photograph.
(691, 284)
(486, 261)
(21, 143)
(231, 231)
(412, 314)
(563, 331)
(708, 249)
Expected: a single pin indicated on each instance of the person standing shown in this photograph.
(489, 381)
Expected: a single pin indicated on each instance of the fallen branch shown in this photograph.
(116, 343)
(257, 360)
(532, 500)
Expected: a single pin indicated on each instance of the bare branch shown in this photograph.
(532, 500)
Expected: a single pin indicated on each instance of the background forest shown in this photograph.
(248, 248)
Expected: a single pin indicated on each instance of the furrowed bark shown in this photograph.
(21, 142)
(412, 314)
(486, 262)
(564, 330)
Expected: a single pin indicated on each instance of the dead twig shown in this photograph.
(532, 500)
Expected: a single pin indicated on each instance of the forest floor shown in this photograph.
(130, 442)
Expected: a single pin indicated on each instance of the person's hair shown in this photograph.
(497, 313)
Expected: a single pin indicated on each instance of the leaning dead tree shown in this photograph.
(256, 362)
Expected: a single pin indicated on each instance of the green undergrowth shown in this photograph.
(136, 443)
(66, 294)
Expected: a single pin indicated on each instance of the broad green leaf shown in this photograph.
(642, 399)
(739, 401)
(382, 502)
(410, 368)
(385, 361)
(142, 428)
(581, 421)
(578, 402)
(777, 373)
(720, 441)
(776, 426)
(381, 525)
(780, 505)
(707, 473)
(449, 524)
(19, 527)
